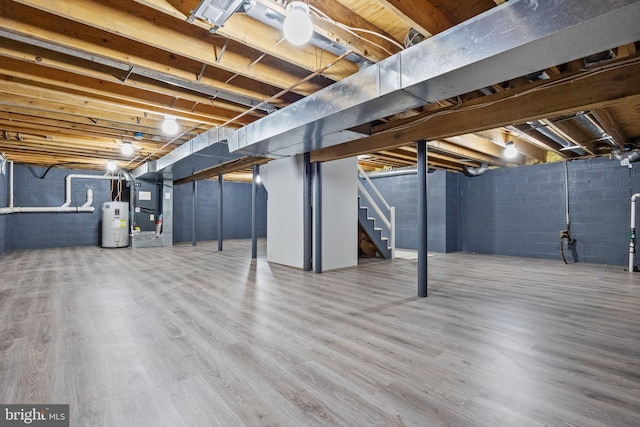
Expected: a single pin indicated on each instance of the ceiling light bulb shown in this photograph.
(170, 126)
(510, 151)
(111, 166)
(297, 27)
(127, 148)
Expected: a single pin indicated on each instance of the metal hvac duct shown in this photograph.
(216, 12)
(511, 40)
(631, 156)
(274, 19)
(542, 128)
(517, 38)
(471, 171)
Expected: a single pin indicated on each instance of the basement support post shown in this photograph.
(220, 209)
(422, 218)
(254, 212)
(306, 196)
(194, 216)
(317, 206)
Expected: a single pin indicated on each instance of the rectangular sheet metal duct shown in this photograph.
(514, 39)
(508, 41)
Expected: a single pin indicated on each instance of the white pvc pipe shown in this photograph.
(86, 207)
(11, 184)
(632, 236)
(67, 201)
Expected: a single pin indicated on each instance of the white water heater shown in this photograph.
(115, 224)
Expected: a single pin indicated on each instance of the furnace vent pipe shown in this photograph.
(66, 207)
(632, 235)
(67, 201)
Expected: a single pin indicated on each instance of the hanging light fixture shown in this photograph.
(510, 150)
(127, 148)
(297, 27)
(111, 166)
(170, 126)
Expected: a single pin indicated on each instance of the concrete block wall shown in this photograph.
(47, 230)
(4, 202)
(236, 205)
(600, 194)
(520, 211)
(401, 191)
(451, 220)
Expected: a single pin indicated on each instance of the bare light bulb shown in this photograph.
(297, 27)
(510, 151)
(170, 126)
(127, 148)
(111, 166)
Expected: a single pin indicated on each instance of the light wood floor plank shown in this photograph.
(187, 336)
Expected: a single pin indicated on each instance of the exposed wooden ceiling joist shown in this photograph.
(157, 30)
(610, 126)
(224, 168)
(79, 77)
(565, 96)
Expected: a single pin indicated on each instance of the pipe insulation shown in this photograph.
(632, 234)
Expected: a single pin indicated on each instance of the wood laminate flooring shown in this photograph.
(187, 336)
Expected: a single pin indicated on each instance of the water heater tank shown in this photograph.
(115, 224)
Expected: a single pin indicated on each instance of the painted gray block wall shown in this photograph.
(48, 230)
(520, 211)
(4, 202)
(236, 205)
(401, 191)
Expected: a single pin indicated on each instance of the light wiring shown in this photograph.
(353, 31)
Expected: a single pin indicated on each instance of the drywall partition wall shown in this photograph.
(520, 211)
(49, 230)
(237, 211)
(4, 202)
(339, 214)
(401, 190)
(283, 180)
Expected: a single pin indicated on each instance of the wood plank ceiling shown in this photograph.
(80, 78)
